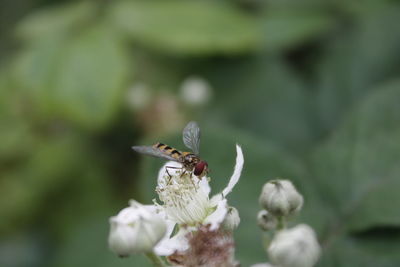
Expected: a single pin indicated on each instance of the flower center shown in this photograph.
(184, 201)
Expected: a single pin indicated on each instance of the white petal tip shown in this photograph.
(237, 171)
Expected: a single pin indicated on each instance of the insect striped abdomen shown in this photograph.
(168, 150)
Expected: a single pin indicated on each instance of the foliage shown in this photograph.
(310, 89)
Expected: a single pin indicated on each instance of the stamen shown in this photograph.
(182, 198)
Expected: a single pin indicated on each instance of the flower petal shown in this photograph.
(170, 224)
(236, 173)
(218, 216)
(204, 185)
(172, 171)
(178, 242)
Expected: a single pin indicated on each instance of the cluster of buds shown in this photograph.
(286, 247)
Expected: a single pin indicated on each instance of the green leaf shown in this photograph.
(53, 20)
(5, 92)
(188, 27)
(357, 173)
(281, 105)
(286, 29)
(362, 159)
(34, 69)
(376, 207)
(46, 169)
(15, 135)
(16, 139)
(86, 245)
(91, 77)
(79, 78)
(374, 249)
(356, 61)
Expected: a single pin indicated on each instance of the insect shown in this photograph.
(190, 160)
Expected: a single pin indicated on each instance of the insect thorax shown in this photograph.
(190, 160)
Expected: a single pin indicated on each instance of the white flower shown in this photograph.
(186, 202)
(195, 91)
(184, 196)
(295, 247)
(136, 229)
(281, 198)
(266, 221)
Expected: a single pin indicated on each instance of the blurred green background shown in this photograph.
(310, 89)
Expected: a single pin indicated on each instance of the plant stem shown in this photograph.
(156, 260)
(281, 223)
(266, 240)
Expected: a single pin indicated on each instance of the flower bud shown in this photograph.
(195, 91)
(266, 221)
(136, 229)
(232, 219)
(295, 247)
(281, 198)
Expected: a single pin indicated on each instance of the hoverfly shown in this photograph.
(190, 160)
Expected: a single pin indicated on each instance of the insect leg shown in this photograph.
(183, 173)
(170, 176)
(191, 179)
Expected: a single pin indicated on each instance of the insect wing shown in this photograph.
(191, 137)
(151, 151)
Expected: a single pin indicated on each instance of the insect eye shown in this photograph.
(199, 168)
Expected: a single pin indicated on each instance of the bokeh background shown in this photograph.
(310, 89)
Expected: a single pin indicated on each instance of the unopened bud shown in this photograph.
(266, 221)
(281, 198)
(136, 229)
(232, 219)
(295, 247)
